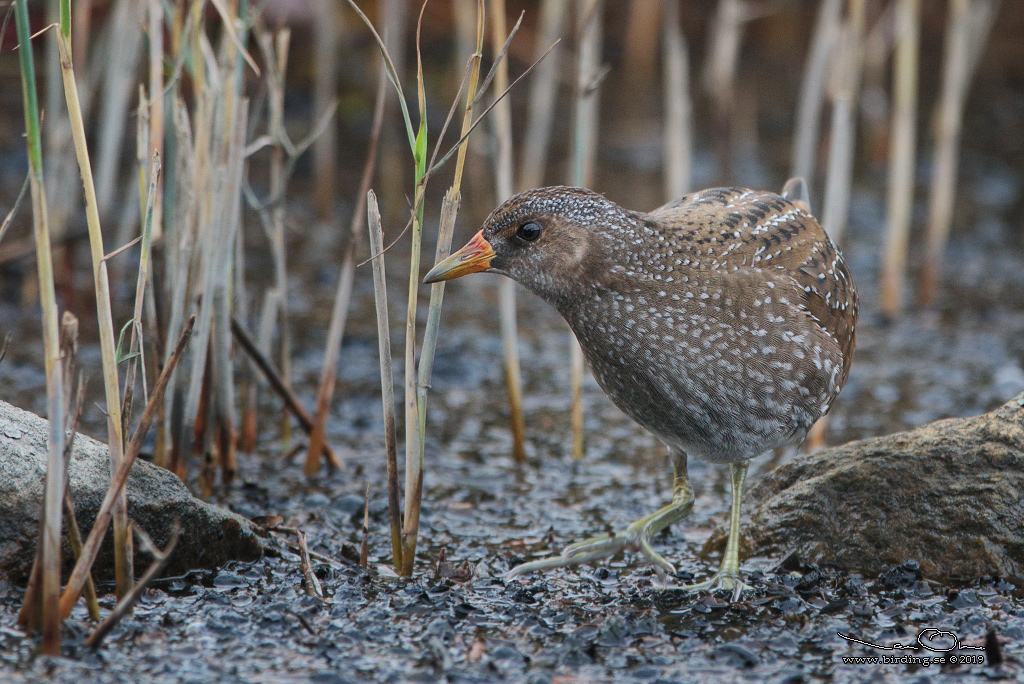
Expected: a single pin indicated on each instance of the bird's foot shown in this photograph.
(636, 537)
(726, 579)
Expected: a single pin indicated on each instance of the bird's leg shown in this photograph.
(636, 537)
(728, 575)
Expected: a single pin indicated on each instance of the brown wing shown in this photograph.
(731, 229)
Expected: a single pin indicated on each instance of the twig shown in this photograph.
(92, 544)
(125, 604)
(333, 562)
(277, 383)
(364, 547)
(14, 210)
(310, 582)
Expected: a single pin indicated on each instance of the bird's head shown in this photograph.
(549, 240)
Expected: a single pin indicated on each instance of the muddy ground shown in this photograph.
(255, 622)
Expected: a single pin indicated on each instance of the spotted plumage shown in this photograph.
(722, 322)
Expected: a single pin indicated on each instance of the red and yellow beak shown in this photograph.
(474, 257)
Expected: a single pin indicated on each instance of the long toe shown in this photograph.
(720, 581)
(596, 548)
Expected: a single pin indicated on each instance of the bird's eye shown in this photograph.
(528, 232)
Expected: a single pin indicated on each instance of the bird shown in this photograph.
(723, 322)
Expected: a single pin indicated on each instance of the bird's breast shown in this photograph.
(709, 368)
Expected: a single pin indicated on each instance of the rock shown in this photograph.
(949, 494)
(210, 535)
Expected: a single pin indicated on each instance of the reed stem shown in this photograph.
(387, 381)
(678, 127)
(968, 26)
(122, 539)
(901, 163)
(507, 287)
(584, 154)
(812, 89)
(543, 92)
(846, 80)
(50, 522)
(446, 229)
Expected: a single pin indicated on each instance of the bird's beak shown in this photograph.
(474, 257)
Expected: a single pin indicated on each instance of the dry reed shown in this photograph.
(588, 78)
(812, 89)
(678, 125)
(901, 163)
(845, 81)
(507, 287)
(967, 29)
(50, 521)
(124, 574)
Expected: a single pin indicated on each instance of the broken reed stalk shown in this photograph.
(845, 84)
(124, 606)
(74, 388)
(966, 32)
(812, 89)
(343, 295)
(309, 580)
(50, 521)
(75, 537)
(584, 154)
(901, 163)
(387, 382)
(364, 546)
(123, 572)
(277, 383)
(678, 126)
(507, 287)
(103, 517)
(543, 91)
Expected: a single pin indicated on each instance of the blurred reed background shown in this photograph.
(220, 143)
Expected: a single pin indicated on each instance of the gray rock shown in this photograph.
(949, 494)
(210, 535)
